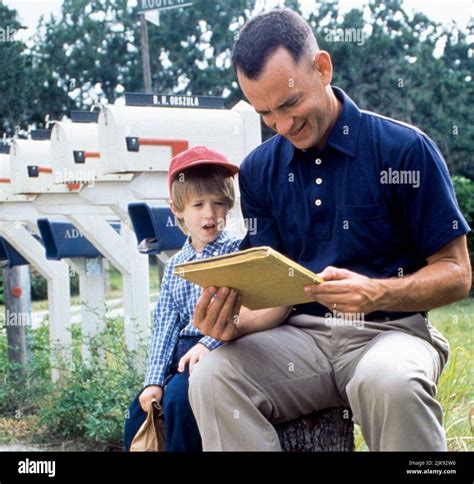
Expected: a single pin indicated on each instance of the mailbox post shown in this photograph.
(17, 222)
(62, 241)
(98, 200)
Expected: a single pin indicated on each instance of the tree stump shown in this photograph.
(329, 430)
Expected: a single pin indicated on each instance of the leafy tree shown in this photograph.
(394, 71)
(15, 83)
(92, 52)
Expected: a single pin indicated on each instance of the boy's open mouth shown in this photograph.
(209, 226)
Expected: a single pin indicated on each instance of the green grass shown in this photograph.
(456, 382)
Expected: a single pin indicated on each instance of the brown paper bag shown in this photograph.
(151, 435)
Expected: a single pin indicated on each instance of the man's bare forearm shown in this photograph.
(432, 286)
(261, 319)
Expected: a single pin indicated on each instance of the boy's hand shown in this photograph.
(153, 392)
(193, 356)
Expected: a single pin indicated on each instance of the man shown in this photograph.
(390, 247)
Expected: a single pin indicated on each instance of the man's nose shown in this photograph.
(283, 124)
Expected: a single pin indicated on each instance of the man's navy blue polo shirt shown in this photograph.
(377, 199)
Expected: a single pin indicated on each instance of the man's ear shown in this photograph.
(323, 66)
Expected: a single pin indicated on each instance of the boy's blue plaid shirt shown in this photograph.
(175, 308)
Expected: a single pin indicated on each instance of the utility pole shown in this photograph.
(145, 53)
(150, 6)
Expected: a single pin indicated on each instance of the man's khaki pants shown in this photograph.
(385, 371)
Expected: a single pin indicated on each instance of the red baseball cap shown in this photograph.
(198, 155)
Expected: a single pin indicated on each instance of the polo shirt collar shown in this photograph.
(344, 134)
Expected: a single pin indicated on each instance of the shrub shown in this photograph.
(92, 400)
(464, 188)
(22, 396)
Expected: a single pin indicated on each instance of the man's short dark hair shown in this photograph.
(264, 34)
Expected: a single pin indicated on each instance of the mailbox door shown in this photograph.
(62, 240)
(155, 228)
(9, 256)
(31, 168)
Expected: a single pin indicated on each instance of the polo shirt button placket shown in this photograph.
(318, 181)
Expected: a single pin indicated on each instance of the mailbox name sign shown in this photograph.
(173, 101)
(145, 5)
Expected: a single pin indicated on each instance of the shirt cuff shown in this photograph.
(154, 378)
(210, 343)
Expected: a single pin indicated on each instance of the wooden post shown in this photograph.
(145, 53)
(17, 294)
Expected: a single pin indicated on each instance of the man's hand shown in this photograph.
(348, 291)
(193, 356)
(153, 392)
(218, 318)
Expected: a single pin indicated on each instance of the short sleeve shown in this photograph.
(427, 200)
(259, 217)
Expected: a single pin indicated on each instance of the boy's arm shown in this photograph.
(165, 334)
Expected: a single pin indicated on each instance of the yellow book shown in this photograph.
(264, 277)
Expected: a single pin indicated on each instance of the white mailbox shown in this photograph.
(75, 151)
(31, 168)
(4, 175)
(141, 138)
(6, 193)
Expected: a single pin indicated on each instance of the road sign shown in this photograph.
(145, 5)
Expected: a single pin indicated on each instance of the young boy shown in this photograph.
(202, 193)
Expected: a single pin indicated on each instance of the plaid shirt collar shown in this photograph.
(188, 252)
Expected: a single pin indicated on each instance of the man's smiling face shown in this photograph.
(293, 98)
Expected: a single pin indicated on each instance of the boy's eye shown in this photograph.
(197, 204)
(219, 203)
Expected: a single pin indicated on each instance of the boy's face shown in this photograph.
(203, 216)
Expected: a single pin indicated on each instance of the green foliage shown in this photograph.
(16, 84)
(464, 188)
(22, 396)
(396, 71)
(455, 384)
(92, 400)
(91, 53)
(39, 286)
(465, 194)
